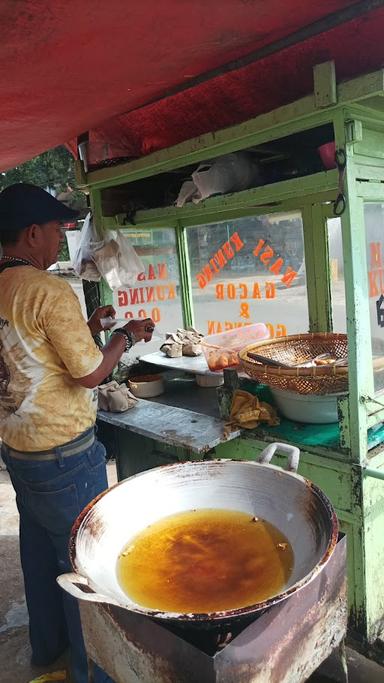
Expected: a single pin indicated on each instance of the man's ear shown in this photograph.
(32, 234)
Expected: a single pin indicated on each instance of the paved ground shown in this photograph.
(14, 646)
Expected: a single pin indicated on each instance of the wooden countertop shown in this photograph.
(171, 425)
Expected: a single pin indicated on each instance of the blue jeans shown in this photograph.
(49, 496)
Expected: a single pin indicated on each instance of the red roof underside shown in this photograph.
(68, 67)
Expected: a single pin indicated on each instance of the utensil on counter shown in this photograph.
(308, 364)
(268, 361)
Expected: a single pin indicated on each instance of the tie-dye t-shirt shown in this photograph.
(45, 344)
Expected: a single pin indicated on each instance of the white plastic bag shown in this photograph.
(83, 263)
(117, 261)
(229, 173)
(188, 192)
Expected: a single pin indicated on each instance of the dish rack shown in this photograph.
(293, 366)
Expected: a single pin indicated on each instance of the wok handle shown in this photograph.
(72, 583)
(293, 455)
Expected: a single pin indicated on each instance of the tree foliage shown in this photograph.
(52, 170)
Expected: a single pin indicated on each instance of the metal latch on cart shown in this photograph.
(340, 202)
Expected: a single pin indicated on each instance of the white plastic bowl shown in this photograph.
(308, 408)
(209, 381)
(147, 386)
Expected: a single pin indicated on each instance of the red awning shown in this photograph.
(69, 67)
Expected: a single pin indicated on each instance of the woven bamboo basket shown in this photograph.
(294, 351)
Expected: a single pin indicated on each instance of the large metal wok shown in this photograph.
(291, 503)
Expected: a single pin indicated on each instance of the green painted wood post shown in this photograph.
(185, 275)
(356, 294)
(317, 268)
(373, 548)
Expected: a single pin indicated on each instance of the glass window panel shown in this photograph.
(156, 293)
(249, 270)
(374, 227)
(335, 243)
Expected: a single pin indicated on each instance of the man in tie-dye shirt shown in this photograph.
(50, 368)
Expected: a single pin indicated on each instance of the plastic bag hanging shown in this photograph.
(117, 261)
(83, 263)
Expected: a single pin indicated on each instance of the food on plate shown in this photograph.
(220, 359)
(172, 350)
(191, 349)
(182, 343)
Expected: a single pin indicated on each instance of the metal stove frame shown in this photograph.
(286, 644)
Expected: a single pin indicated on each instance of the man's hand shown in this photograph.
(113, 350)
(94, 323)
(141, 329)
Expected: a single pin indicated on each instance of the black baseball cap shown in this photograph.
(23, 204)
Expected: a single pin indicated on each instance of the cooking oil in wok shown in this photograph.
(205, 561)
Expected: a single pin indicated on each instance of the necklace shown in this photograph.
(16, 259)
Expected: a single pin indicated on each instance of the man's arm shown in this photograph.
(71, 336)
(112, 352)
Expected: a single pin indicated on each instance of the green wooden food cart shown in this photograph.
(332, 222)
(300, 250)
